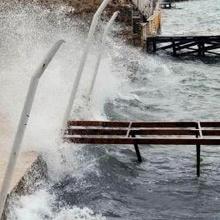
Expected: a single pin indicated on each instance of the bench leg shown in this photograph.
(198, 151)
(137, 151)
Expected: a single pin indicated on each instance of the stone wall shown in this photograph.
(31, 180)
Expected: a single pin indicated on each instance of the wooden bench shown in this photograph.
(144, 133)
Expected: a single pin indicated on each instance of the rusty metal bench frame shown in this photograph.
(139, 133)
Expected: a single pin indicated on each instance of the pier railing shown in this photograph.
(23, 124)
(98, 62)
(83, 59)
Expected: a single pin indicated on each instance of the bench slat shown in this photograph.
(122, 132)
(155, 141)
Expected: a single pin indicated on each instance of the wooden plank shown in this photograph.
(210, 124)
(142, 131)
(179, 45)
(164, 124)
(212, 47)
(188, 37)
(191, 52)
(165, 47)
(211, 42)
(121, 132)
(187, 45)
(145, 141)
(123, 124)
(134, 124)
(98, 131)
(165, 132)
(99, 123)
(213, 53)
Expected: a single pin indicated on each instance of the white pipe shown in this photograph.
(106, 31)
(83, 60)
(23, 123)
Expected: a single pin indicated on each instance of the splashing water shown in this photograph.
(104, 182)
(39, 206)
(26, 34)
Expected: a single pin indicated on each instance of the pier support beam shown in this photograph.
(174, 48)
(184, 45)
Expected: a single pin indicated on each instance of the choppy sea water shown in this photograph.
(105, 182)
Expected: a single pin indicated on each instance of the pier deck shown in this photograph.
(185, 45)
(144, 133)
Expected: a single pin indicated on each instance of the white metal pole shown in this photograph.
(106, 31)
(23, 123)
(83, 60)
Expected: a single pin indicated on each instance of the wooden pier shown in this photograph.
(185, 45)
(144, 133)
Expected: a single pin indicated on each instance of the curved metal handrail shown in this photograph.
(106, 31)
(23, 123)
(83, 60)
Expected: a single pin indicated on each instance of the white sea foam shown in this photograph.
(39, 206)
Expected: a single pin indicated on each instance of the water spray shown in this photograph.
(23, 123)
(83, 60)
(106, 31)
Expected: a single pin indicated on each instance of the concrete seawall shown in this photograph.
(24, 163)
(30, 169)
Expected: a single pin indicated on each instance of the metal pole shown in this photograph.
(23, 123)
(106, 31)
(83, 60)
(198, 154)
